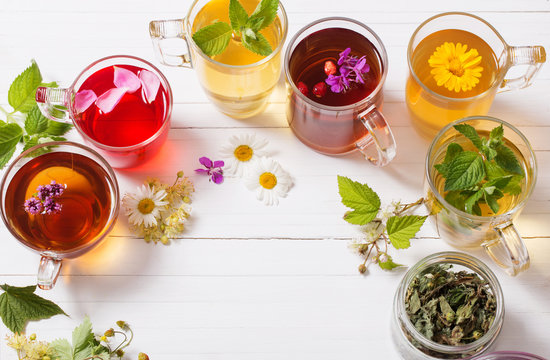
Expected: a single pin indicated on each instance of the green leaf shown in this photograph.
(514, 186)
(213, 39)
(456, 199)
(18, 305)
(10, 134)
(402, 228)
(497, 135)
(359, 197)
(493, 171)
(258, 45)
(472, 201)
(491, 201)
(57, 128)
(471, 133)
(500, 182)
(388, 264)
(83, 340)
(358, 218)
(237, 15)
(452, 151)
(35, 122)
(23, 89)
(507, 160)
(62, 349)
(266, 11)
(4, 159)
(465, 171)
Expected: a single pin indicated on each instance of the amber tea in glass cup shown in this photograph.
(59, 199)
(457, 64)
(348, 118)
(496, 233)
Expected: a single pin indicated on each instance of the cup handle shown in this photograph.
(169, 29)
(534, 56)
(53, 103)
(48, 271)
(380, 135)
(508, 250)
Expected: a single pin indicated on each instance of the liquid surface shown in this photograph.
(86, 201)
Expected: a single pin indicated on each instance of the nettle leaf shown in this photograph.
(465, 171)
(83, 338)
(471, 133)
(35, 122)
(62, 349)
(359, 197)
(18, 305)
(23, 89)
(10, 134)
(257, 44)
(507, 160)
(388, 264)
(56, 128)
(402, 228)
(266, 11)
(213, 39)
(4, 159)
(237, 15)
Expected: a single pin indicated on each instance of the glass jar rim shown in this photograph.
(508, 355)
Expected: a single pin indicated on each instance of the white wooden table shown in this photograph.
(253, 282)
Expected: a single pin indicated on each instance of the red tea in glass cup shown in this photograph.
(120, 105)
(329, 107)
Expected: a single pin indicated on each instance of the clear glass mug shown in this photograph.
(240, 91)
(497, 233)
(337, 130)
(51, 101)
(96, 208)
(431, 111)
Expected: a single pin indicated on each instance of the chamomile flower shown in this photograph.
(145, 205)
(269, 180)
(242, 153)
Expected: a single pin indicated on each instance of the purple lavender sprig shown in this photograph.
(351, 69)
(43, 202)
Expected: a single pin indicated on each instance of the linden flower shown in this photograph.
(269, 181)
(455, 68)
(145, 205)
(242, 152)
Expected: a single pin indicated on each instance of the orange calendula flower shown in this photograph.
(455, 67)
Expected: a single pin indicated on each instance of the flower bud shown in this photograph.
(450, 316)
(103, 338)
(122, 324)
(109, 333)
(180, 174)
(120, 353)
(164, 240)
(46, 357)
(32, 337)
(362, 268)
(143, 356)
(477, 334)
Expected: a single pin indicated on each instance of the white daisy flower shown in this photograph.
(269, 181)
(242, 152)
(144, 206)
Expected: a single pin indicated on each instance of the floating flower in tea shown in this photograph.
(43, 201)
(351, 70)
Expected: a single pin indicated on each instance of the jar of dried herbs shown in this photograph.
(448, 306)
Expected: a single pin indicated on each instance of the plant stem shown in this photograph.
(411, 205)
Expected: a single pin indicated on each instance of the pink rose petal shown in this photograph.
(110, 98)
(83, 99)
(124, 78)
(150, 83)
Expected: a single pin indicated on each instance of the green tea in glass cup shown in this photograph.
(480, 172)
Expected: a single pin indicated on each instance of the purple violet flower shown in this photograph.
(51, 207)
(351, 70)
(33, 206)
(56, 189)
(213, 169)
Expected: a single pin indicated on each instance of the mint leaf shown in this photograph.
(18, 305)
(492, 202)
(388, 264)
(507, 160)
(465, 171)
(452, 151)
(237, 15)
(10, 134)
(35, 122)
(497, 134)
(213, 39)
(499, 183)
(493, 171)
(456, 199)
(514, 186)
(471, 133)
(402, 228)
(57, 128)
(263, 15)
(23, 89)
(83, 338)
(257, 44)
(4, 159)
(62, 349)
(359, 197)
(470, 203)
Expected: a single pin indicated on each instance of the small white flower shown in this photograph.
(242, 153)
(144, 206)
(269, 181)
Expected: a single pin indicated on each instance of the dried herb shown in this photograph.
(450, 308)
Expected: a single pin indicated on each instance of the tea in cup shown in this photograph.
(335, 71)
(121, 105)
(238, 81)
(457, 63)
(59, 199)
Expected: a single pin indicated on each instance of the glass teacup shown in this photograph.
(238, 86)
(496, 233)
(431, 93)
(59, 199)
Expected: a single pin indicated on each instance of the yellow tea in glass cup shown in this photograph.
(238, 81)
(457, 64)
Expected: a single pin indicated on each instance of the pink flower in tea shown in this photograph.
(125, 78)
(150, 83)
(110, 99)
(51, 206)
(351, 69)
(33, 206)
(83, 99)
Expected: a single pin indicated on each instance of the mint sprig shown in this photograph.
(474, 178)
(213, 39)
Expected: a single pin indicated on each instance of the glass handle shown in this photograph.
(53, 103)
(48, 271)
(508, 250)
(380, 135)
(534, 56)
(169, 29)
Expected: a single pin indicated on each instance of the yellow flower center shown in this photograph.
(146, 206)
(243, 152)
(455, 66)
(268, 180)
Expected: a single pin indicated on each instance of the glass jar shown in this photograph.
(411, 344)
(509, 355)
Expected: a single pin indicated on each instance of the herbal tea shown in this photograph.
(58, 201)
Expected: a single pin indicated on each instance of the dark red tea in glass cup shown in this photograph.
(121, 105)
(340, 120)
